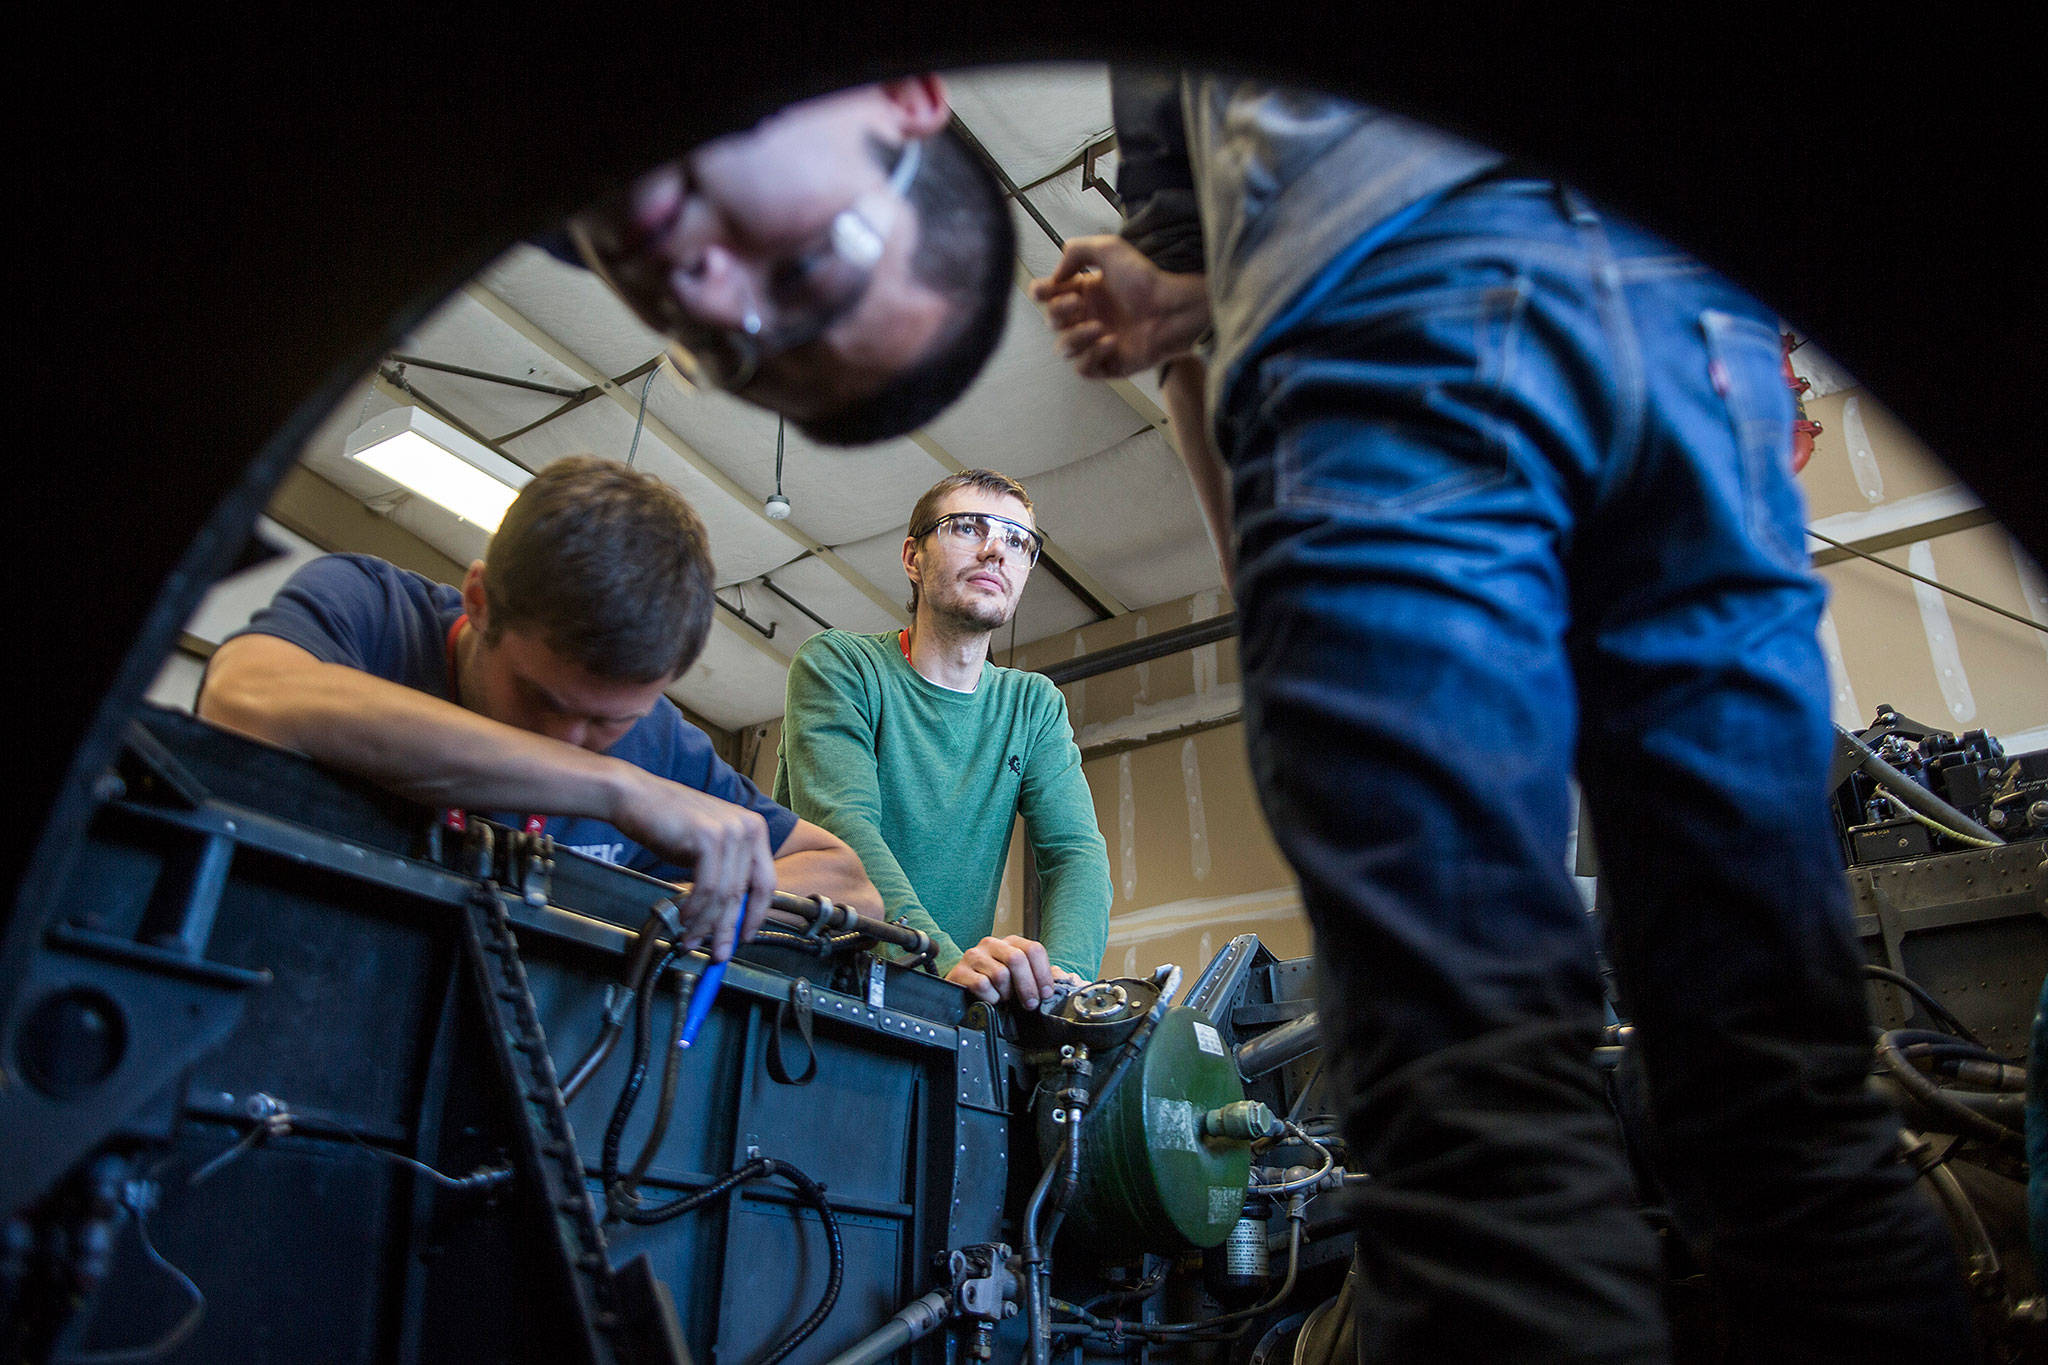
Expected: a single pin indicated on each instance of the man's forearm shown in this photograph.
(417, 745)
(1067, 847)
(835, 874)
(1074, 915)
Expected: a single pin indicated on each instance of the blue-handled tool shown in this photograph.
(706, 991)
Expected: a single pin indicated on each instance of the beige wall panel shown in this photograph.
(1862, 449)
(2007, 663)
(2000, 667)
(336, 520)
(1110, 698)
(1187, 877)
(1884, 651)
(762, 770)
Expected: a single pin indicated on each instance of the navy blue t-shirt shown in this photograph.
(392, 623)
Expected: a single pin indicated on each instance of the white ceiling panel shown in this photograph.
(1072, 210)
(732, 684)
(743, 542)
(880, 560)
(836, 495)
(1029, 411)
(1034, 248)
(816, 586)
(1033, 119)
(574, 307)
(1130, 515)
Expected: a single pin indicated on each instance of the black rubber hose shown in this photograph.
(1978, 1248)
(1919, 1037)
(1037, 1314)
(646, 1215)
(608, 1031)
(808, 1190)
(828, 917)
(1069, 1181)
(643, 1042)
(813, 1194)
(1997, 1073)
(1963, 1120)
(2000, 1106)
(816, 947)
(625, 1193)
(1941, 1013)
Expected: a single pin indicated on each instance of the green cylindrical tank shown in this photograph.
(1150, 1180)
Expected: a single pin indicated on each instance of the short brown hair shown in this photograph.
(927, 509)
(966, 253)
(609, 567)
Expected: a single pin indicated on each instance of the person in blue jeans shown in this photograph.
(1507, 488)
(1507, 494)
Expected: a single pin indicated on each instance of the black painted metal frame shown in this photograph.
(256, 958)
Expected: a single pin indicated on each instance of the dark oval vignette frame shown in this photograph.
(226, 228)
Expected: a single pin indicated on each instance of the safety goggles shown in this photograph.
(973, 530)
(803, 294)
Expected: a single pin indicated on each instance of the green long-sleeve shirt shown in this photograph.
(924, 784)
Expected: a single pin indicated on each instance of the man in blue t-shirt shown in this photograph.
(534, 694)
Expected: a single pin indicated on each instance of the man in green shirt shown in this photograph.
(920, 753)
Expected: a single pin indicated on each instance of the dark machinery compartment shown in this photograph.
(247, 938)
(293, 1047)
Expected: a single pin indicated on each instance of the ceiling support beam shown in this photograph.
(682, 449)
(583, 396)
(1010, 189)
(1920, 517)
(466, 372)
(769, 584)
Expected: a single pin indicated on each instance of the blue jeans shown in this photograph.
(1513, 499)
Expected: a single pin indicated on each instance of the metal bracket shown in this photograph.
(138, 1015)
(531, 859)
(545, 1144)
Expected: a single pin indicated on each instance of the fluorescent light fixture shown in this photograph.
(425, 454)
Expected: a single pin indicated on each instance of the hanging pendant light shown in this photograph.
(776, 508)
